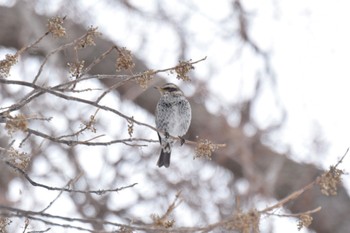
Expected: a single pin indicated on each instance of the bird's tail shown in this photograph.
(164, 158)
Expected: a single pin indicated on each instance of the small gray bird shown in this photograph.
(173, 117)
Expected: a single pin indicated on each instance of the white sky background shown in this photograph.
(309, 44)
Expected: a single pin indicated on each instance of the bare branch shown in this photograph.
(98, 192)
(87, 142)
(298, 214)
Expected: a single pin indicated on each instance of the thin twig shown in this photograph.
(75, 99)
(24, 140)
(15, 212)
(43, 231)
(174, 67)
(298, 214)
(62, 47)
(22, 50)
(86, 126)
(86, 142)
(98, 60)
(341, 159)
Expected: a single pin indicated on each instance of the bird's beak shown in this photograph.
(159, 89)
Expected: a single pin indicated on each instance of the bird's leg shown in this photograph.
(182, 140)
(160, 139)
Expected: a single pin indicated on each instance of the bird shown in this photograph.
(173, 117)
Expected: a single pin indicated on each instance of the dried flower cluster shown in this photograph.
(124, 60)
(182, 70)
(89, 38)
(19, 159)
(76, 68)
(245, 222)
(305, 220)
(13, 124)
(205, 148)
(90, 125)
(329, 181)
(145, 78)
(4, 222)
(162, 221)
(55, 27)
(7, 63)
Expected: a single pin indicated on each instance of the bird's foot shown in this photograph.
(166, 134)
(182, 140)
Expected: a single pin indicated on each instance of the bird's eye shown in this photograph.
(170, 89)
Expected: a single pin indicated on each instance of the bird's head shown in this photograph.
(169, 88)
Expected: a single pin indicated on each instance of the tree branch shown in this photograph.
(98, 192)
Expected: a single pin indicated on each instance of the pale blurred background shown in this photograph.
(274, 88)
